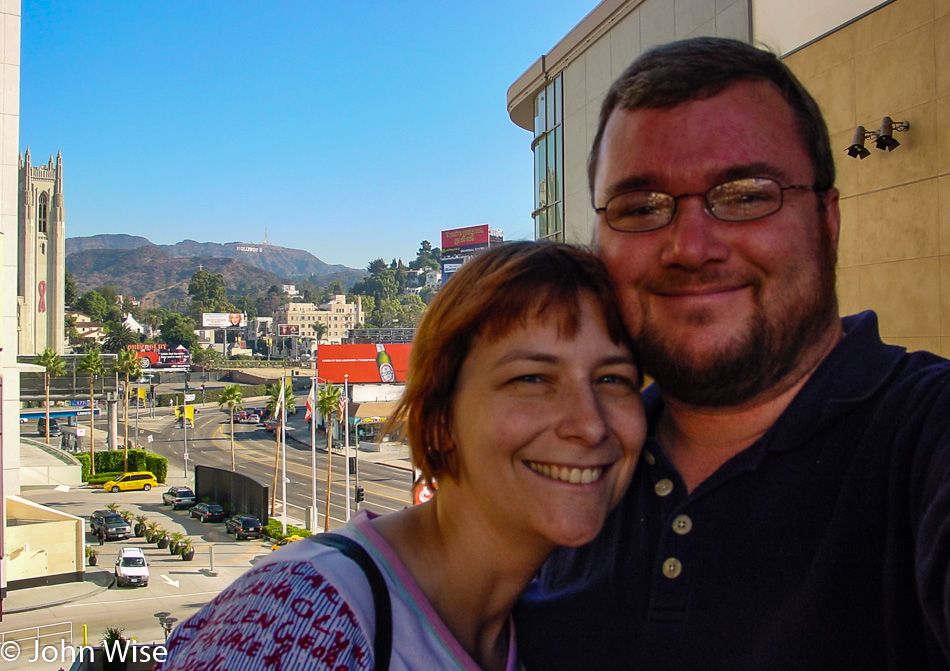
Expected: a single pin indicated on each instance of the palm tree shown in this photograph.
(128, 364)
(328, 402)
(273, 405)
(120, 336)
(94, 366)
(233, 399)
(55, 366)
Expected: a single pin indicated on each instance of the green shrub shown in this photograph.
(83, 459)
(274, 529)
(158, 465)
(109, 465)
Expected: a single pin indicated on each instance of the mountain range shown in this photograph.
(158, 273)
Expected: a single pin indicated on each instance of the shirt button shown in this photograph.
(672, 567)
(648, 457)
(682, 524)
(663, 487)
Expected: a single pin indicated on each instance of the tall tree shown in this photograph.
(233, 399)
(273, 408)
(93, 365)
(93, 304)
(118, 338)
(328, 400)
(376, 266)
(55, 366)
(179, 330)
(208, 293)
(110, 293)
(69, 289)
(128, 365)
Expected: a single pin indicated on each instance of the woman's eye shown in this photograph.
(527, 378)
(621, 381)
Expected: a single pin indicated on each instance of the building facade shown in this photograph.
(41, 255)
(861, 59)
(336, 315)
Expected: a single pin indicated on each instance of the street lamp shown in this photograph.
(166, 622)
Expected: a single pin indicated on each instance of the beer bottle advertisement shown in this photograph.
(386, 371)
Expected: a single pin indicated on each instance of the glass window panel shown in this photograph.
(541, 224)
(549, 101)
(556, 224)
(539, 111)
(558, 164)
(557, 101)
(540, 161)
(551, 170)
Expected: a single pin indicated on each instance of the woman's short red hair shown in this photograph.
(500, 288)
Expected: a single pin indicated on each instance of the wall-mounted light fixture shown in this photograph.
(883, 138)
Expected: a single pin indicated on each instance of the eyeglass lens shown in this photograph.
(738, 200)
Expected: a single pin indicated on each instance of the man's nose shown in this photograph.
(694, 236)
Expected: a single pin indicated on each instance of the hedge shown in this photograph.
(110, 462)
(211, 395)
(275, 530)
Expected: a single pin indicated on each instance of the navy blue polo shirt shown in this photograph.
(824, 545)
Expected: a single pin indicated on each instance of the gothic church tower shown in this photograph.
(41, 255)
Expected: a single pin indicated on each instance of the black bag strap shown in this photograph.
(382, 646)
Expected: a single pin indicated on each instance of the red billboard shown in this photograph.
(363, 363)
(461, 240)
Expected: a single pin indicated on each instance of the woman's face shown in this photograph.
(548, 428)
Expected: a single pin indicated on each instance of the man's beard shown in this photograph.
(758, 360)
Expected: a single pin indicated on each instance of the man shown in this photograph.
(792, 508)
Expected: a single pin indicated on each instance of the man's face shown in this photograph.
(721, 311)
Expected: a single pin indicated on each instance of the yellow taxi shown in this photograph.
(285, 541)
(129, 481)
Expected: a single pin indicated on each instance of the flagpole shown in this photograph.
(346, 442)
(283, 456)
(311, 404)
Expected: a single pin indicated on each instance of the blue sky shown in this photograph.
(351, 129)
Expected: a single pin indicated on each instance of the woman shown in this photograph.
(522, 402)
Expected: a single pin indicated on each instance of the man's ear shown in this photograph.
(832, 216)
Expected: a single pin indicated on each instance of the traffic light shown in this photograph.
(359, 495)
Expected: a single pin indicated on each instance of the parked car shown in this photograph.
(179, 497)
(54, 429)
(207, 512)
(129, 481)
(113, 524)
(285, 541)
(131, 568)
(243, 526)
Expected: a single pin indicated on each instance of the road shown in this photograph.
(386, 488)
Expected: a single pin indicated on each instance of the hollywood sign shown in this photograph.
(250, 249)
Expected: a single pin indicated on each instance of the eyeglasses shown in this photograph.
(738, 200)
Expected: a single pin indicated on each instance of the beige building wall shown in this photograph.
(9, 376)
(895, 232)
(43, 543)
